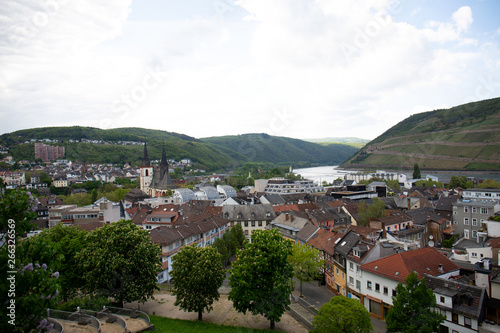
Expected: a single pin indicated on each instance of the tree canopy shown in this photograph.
(260, 278)
(306, 262)
(365, 212)
(121, 261)
(27, 267)
(342, 314)
(198, 275)
(413, 309)
(416, 171)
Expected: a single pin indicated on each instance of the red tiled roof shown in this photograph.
(423, 261)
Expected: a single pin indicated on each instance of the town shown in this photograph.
(373, 229)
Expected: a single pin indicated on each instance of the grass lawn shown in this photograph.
(163, 324)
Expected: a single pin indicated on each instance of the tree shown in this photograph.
(120, 261)
(26, 267)
(413, 309)
(198, 275)
(260, 277)
(307, 263)
(67, 242)
(374, 210)
(342, 314)
(393, 184)
(416, 171)
(462, 182)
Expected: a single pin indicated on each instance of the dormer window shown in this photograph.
(356, 253)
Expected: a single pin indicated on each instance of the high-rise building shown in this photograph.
(48, 153)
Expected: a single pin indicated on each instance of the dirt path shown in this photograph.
(222, 314)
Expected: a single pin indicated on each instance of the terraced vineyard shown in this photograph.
(465, 137)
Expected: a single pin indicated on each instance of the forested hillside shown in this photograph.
(217, 153)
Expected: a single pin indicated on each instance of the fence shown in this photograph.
(81, 318)
(132, 313)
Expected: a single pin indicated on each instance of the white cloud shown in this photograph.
(333, 66)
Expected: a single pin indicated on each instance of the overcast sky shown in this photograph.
(295, 68)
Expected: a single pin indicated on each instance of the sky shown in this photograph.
(295, 68)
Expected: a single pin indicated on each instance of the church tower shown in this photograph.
(146, 171)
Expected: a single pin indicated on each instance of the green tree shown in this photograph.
(120, 261)
(93, 195)
(238, 239)
(260, 277)
(374, 210)
(342, 314)
(221, 245)
(489, 183)
(198, 275)
(307, 263)
(393, 184)
(413, 309)
(26, 268)
(429, 183)
(460, 181)
(67, 242)
(416, 171)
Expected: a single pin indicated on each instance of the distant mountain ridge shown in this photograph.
(215, 153)
(465, 137)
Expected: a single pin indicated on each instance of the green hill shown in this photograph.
(465, 137)
(275, 149)
(217, 153)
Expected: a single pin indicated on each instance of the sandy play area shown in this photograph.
(223, 313)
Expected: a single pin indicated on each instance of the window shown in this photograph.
(466, 209)
(393, 293)
(466, 221)
(246, 223)
(474, 210)
(484, 210)
(357, 268)
(351, 266)
(454, 317)
(474, 233)
(441, 299)
(474, 222)
(369, 284)
(474, 255)
(253, 223)
(386, 291)
(260, 223)
(377, 287)
(337, 271)
(358, 284)
(351, 280)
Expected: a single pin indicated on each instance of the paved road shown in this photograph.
(317, 295)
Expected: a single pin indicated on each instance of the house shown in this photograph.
(341, 251)
(329, 256)
(201, 229)
(463, 305)
(250, 217)
(481, 193)
(290, 225)
(226, 191)
(380, 277)
(434, 225)
(13, 179)
(469, 215)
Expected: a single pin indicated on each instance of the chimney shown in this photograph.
(291, 217)
(286, 216)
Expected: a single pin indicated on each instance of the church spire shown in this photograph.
(145, 159)
(163, 163)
